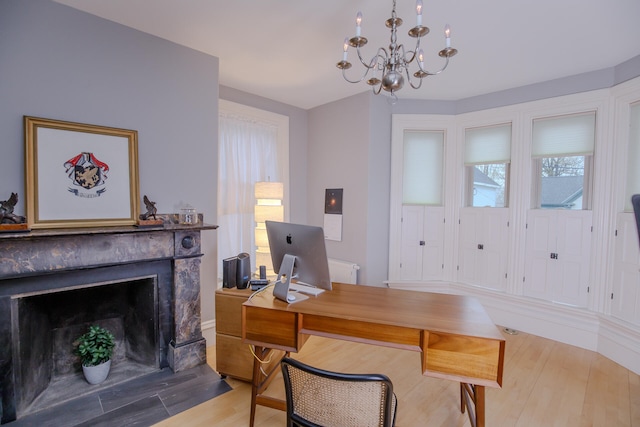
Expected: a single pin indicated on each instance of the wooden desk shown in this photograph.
(456, 337)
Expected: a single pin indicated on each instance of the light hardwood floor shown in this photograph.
(545, 384)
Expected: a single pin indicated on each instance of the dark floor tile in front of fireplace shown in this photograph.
(143, 401)
(183, 396)
(143, 412)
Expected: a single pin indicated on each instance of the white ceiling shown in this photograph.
(286, 50)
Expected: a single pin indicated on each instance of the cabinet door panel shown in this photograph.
(433, 237)
(558, 249)
(625, 303)
(483, 249)
(540, 243)
(470, 223)
(410, 249)
(574, 250)
(495, 252)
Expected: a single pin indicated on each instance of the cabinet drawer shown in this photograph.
(233, 358)
(229, 311)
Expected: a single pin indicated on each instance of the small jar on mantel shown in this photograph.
(188, 216)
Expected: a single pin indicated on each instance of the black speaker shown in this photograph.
(229, 272)
(243, 270)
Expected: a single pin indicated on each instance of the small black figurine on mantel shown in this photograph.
(149, 219)
(151, 209)
(6, 211)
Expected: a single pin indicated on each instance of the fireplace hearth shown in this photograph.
(142, 284)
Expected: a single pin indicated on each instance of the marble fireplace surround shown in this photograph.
(42, 262)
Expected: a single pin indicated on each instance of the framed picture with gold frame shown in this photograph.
(80, 175)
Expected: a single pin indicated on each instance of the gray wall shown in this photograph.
(340, 144)
(378, 191)
(59, 63)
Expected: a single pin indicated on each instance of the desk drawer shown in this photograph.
(464, 358)
(271, 328)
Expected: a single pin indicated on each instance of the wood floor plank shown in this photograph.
(607, 399)
(546, 383)
(559, 403)
(525, 358)
(634, 398)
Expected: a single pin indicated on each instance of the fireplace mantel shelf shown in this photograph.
(54, 232)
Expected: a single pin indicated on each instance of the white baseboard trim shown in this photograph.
(613, 338)
(209, 331)
(620, 342)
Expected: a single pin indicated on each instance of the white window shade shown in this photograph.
(633, 156)
(571, 135)
(491, 144)
(423, 167)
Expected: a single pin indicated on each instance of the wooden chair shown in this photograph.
(316, 397)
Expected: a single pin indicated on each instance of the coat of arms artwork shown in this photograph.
(87, 174)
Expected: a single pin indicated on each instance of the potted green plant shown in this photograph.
(95, 348)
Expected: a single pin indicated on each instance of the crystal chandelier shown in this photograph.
(393, 63)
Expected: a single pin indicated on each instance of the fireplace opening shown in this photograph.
(46, 324)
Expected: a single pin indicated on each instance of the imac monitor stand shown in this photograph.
(281, 288)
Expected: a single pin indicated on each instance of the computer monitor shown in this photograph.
(298, 253)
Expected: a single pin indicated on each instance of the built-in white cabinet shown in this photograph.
(483, 253)
(558, 249)
(422, 243)
(625, 291)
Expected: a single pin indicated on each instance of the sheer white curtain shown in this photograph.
(248, 153)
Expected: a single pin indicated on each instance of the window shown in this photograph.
(253, 146)
(633, 156)
(562, 152)
(487, 157)
(423, 167)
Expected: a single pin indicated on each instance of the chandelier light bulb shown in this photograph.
(345, 46)
(358, 22)
(421, 59)
(447, 35)
(419, 13)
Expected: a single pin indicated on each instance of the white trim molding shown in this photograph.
(209, 331)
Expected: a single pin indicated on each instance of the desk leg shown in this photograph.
(472, 398)
(260, 381)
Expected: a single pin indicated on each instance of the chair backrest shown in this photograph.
(316, 397)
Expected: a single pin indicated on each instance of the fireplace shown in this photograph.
(142, 284)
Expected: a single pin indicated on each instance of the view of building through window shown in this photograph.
(562, 182)
(490, 185)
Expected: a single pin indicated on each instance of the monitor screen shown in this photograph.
(299, 248)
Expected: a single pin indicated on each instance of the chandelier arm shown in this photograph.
(434, 73)
(368, 67)
(411, 81)
(344, 74)
(372, 63)
(413, 53)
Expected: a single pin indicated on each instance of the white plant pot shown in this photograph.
(97, 374)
